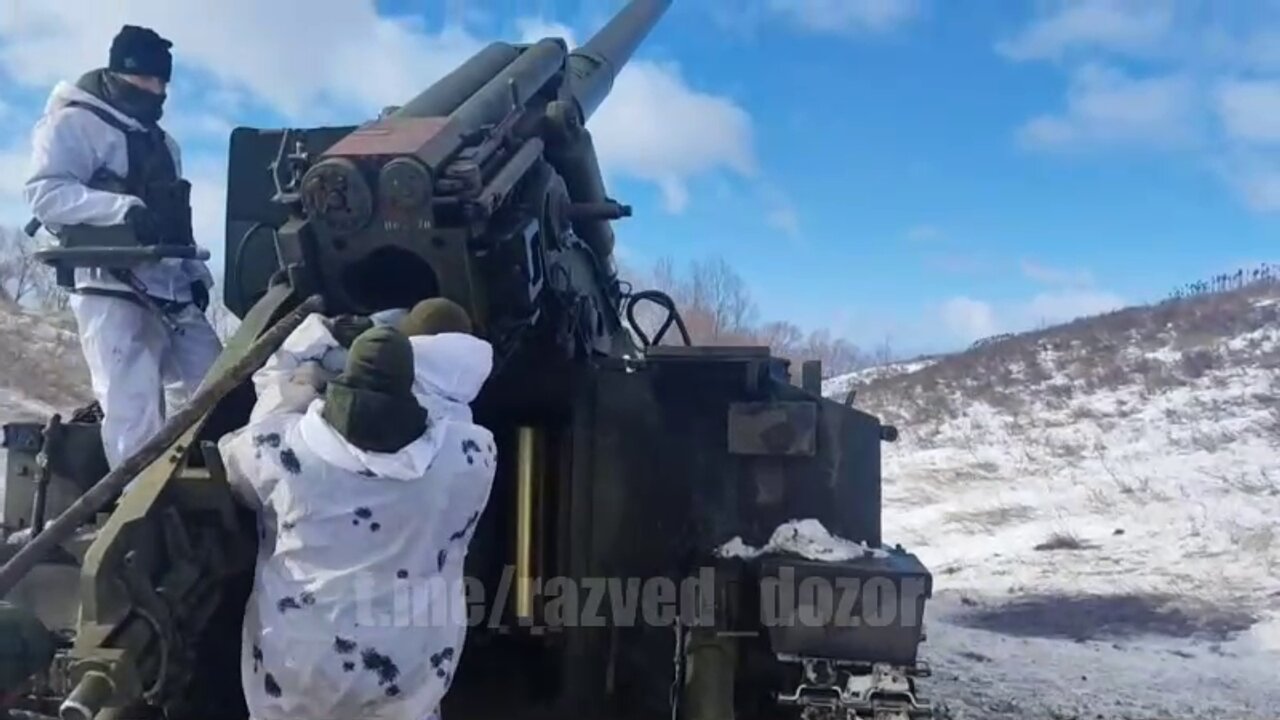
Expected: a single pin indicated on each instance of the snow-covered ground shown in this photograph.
(1099, 504)
(1103, 524)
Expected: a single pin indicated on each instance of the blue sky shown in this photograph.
(923, 170)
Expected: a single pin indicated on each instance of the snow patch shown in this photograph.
(806, 538)
(839, 386)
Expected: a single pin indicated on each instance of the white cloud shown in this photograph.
(1106, 106)
(780, 212)
(1062, 306)
(534, 29)
(348, 56)
(967, 319)
(1254, 173)
(194, 124)
(350, 62)
(848, 16)
(1261, 190)
(653, 126)
(1250, 110)
(1208, 88)
(1120, 25)
(13, 211)
(1055, 276)
(784, 219)
(13, 171)
(209, 208)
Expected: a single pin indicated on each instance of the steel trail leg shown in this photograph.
(709, 679)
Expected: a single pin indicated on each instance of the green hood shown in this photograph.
(434, 317)
(371, 404)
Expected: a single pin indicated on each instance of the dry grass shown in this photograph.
(1063, 540)
(1263, 484)
(40, 357)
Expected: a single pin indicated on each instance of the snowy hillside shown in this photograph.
(1099, 503)
(838, 387)
(41, 369)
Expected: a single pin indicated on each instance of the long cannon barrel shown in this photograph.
(446, 94)
(478, 91)
(594, 66)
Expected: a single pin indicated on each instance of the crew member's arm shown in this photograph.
(293, 376)
(236, 449)
(66, 150)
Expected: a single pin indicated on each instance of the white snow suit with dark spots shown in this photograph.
(358, 608)
(131, 355)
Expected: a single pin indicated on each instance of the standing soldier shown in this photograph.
(99, 158)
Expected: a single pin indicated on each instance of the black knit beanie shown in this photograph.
(140, 51)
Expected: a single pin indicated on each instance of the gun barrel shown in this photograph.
(593, 67)
(525, 76)
(449, 92)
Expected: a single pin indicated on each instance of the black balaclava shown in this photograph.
(371, 404)
(134, 51)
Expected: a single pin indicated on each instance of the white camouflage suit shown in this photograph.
(340, 625)
(129, 351)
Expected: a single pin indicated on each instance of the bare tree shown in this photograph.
(718, 309)
(721, 295)
(838, 356)
(24, 280)
(784, 338)
(18, 268)
(884, 352)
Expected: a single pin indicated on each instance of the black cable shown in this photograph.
(237, 263)
(663, 300)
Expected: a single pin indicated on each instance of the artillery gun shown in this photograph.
(627, 463)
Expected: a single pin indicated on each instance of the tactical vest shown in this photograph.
(152, 177)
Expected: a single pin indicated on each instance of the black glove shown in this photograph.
(200, 295)
(346, 328)
(145, 225)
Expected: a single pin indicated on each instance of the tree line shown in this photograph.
(1261, 274)
(718, 309)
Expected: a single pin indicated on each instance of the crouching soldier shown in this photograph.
(361, 495)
